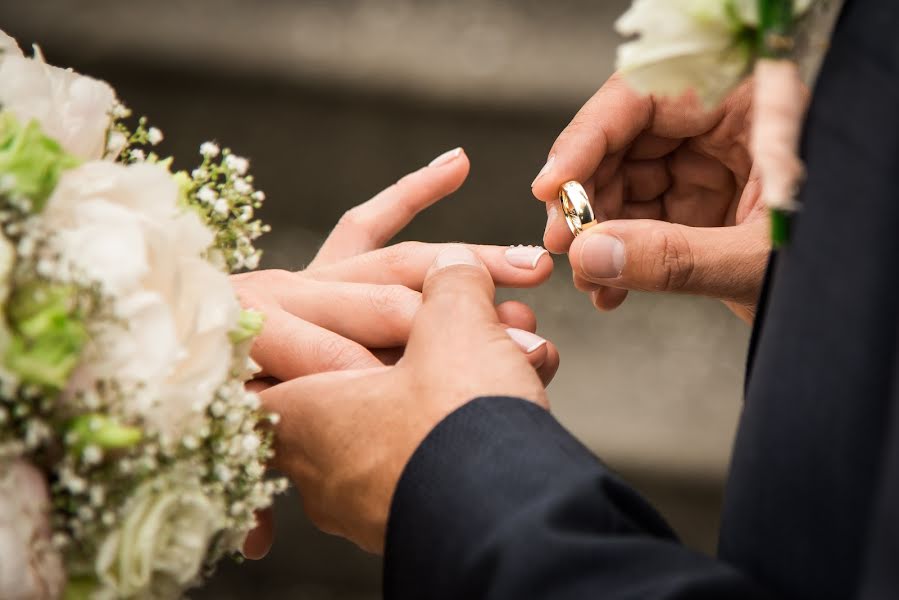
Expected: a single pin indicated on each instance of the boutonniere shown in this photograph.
(709, 46)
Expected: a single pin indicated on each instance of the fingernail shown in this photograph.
(446, 158)
(525, 257)
(546, 169)
(552, 215)
(527, 341)
(456, 255)
(602, 257)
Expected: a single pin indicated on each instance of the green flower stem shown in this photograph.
(104, 432)
(781, 225)
(776, 20)
(776, 42)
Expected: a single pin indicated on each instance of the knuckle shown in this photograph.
(333, 353)
(397, 255)
(252, 288)
(669, 260)
(351, 219)
(394, 303)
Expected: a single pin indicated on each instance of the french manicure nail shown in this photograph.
(602, 257)
(446, 158)
(525, 257)
(455, 255)
(527, 341)
(546, 169)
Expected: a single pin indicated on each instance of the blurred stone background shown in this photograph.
(334, 100)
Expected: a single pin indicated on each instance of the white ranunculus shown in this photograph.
(30, 568)
(71, 108)
(162, 542)
(124, 228)
(688, 45)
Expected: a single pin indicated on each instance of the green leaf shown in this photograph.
(46, 334)
(80, 588)
(30, 162)
(104, 432)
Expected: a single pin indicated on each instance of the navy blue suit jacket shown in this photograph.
(500, 502)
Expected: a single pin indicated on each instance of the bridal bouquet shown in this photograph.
(131, 456)
(707, 47)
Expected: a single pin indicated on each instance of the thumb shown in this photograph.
(457, 303)
(657, 256)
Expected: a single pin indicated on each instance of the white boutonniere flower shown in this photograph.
(682, 45)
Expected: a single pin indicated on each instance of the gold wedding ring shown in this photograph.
(576, 206)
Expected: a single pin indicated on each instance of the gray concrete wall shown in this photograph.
(334, 100)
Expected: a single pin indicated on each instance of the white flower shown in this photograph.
(123, 228)
(207, 195)
(688, 45)
(31, 568)
(71, 108)
(237, 164)
(8, 45)
(163, 540)
(683, 45)
(154, 136)
(209, 149)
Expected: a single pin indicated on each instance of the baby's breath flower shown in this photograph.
(207, 195)
(154, 136)
(238, 164)
(209, 149)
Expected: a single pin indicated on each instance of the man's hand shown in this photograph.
(352, 308)
(675, 183)
(344, 438)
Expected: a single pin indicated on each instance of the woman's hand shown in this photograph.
(353, 306)
(675, 183)
(345, 437)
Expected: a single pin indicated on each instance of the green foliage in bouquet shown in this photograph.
(31, 163)
(47, 334)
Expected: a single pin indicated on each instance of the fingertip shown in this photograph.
(608, 299)
(557, 238)
(517, 314)
(455, 255)
(260, 539)
(530, 343)
(547, 371)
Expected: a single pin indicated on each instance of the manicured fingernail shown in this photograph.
(525, 257)
(455, 255)
(546, 169)
(446, 158)
(527, 341)
(602, 257)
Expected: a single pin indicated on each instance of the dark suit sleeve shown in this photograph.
(501, 502)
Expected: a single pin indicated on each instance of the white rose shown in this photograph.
(30, 568)
(162, 542)
(71, 108)
(123, 227)
(687, 45)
